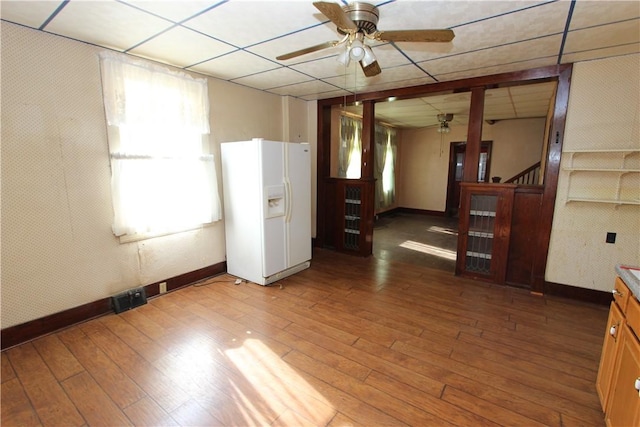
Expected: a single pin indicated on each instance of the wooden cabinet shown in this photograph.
(618, 382)
(623, 408)
(349, 227)
(485, 226)
(610, 348)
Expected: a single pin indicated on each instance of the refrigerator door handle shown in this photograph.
(288, 195)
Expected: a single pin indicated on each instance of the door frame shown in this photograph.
(561, 73)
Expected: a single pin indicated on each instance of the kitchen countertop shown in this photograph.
(631, 279)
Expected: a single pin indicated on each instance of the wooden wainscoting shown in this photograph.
(350, 341)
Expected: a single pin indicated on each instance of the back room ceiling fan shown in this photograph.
(357, 22)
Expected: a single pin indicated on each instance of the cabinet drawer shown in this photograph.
(621, 294)
(633, 315)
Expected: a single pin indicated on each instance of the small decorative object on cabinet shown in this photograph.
(485, 226)
(618, 382)
(603, 176)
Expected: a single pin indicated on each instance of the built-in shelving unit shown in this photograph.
(610, 176)
(352, 216)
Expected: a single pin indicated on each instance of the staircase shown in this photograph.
(529, 176)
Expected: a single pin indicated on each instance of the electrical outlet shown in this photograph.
(163, 287)
(611, 237)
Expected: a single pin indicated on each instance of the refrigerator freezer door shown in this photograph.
(273, 176)
(241, 171)
(298, 225)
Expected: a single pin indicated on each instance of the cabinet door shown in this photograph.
(623, 407)
(485, 225)
(609, 353)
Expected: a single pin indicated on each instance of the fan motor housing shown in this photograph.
(364, 15)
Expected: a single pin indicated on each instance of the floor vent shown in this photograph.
(129, 299)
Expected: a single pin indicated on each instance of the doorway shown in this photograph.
(457, 152)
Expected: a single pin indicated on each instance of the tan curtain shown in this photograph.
(350, 131)
(380, 155)
(389, 170)
(384, 167)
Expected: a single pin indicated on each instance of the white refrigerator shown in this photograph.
(267, 208)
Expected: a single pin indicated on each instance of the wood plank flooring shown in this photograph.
(350, 341)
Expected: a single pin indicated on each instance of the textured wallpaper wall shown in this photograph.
(58, 250)
(603, 114)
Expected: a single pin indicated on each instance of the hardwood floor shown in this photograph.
(426, 240)
(350, 341)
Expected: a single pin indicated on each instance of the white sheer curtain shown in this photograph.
(384, 167)
(162, 176)
(349, 153)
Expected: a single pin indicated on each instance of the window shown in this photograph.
(163, 177)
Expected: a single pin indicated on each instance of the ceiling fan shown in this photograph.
(357, 22)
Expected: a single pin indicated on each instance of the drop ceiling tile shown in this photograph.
(442, 14)
(175, 11)
(353, 81)
(544, 89)
(273, 79)
(401, 106)
(110, 24)
(310, 88)
(245, 23)
(497, 56)
(389, 56)
(403, 73)
(501, 68)
(324, 95)
(496, 94)
(463, 97)
(324, 67)
(590, 13)
(498, 109)
(33, 16)
(604, 36)
(297, 41)
(533, 23)
(182, 47)
(394, 84)
(235, 65)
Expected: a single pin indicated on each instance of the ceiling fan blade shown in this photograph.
(306, 50)
(372, 69)
(334, 12)
(415, 36)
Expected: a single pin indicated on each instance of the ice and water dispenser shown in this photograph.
(276, 202)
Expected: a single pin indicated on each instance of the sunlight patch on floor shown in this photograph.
(429, 250)
(279, 386)
(436, 229)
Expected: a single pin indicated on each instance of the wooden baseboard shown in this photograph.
(411, 211)
(18, 334)
(580, 294)
(421, 211)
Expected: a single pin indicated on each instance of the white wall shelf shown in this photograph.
(596, 173)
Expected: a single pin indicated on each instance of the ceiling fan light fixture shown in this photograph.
(444, 128)
(445, 117)
(357, 50)
(344, 57)
(368, 57)
(444, 120)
